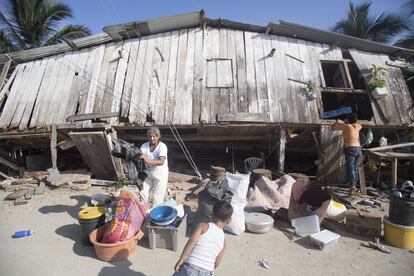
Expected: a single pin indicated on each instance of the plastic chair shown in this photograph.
(252, 163)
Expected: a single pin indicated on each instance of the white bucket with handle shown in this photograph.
(336, 211)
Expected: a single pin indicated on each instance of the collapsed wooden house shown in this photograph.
(231, 89)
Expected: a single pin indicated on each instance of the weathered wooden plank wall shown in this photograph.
(166, 75)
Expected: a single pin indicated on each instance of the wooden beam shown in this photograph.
(345, 90)
(9, 164)
(281, 150)
(66, 144)
(240, 117)
(91, 116)
(394, 173)
(361, 175)
(53, 141)
(295, 58)
(194, 138)
(392, 146)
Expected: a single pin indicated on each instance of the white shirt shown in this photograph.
(160, 150)
(207, 248)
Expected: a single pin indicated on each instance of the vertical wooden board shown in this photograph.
(272, 81)
(30, 81)
(68, 64)
(119, 81)
(259, 57)
(171, 83)
(142, 105)
(78, 84)
(94, 149)
(240, 74)
(281, 110)
(43, 90)
(308, 70)
(251, 73)
(205, 92)
(163, 79)
(231, 54)
(332, 169)
(5, 90)
(199, 68)
(300, 97)
(64, 99)
(292, 114)
(137, 85)
(221, 102)
(109, 85)
(315, 73)
(33, 94)
(103, 76)
(155, 82)
(180, 89)
(301, 92)
(399, 91)
(187, 97)
(14, 95)
(60, 64)
(129, 78)
(214, 92)
(386, 108)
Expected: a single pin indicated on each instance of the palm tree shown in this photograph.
(408, 40)
(359, 23)
(29, 24)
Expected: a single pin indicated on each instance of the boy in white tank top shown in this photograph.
(205, 249)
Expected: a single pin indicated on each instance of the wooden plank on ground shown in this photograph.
(94, 149)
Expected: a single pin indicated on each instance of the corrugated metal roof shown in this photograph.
(194, 19)
(285, 28)
(154, 26)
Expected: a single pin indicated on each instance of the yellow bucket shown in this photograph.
(398, 235)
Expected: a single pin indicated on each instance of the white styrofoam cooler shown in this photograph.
(325, 239)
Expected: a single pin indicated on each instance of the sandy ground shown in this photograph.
(55, 249)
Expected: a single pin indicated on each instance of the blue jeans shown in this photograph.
(352, 158)
(187, 269)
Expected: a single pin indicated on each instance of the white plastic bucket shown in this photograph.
(336, 211)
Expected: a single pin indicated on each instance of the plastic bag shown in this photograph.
(238, 185)
(129, 216)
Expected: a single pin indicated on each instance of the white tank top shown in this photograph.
(207, 248)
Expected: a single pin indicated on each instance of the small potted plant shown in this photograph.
(311, 90)
(377, 82)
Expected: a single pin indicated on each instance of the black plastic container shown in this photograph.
(88, 225)
(401, 211)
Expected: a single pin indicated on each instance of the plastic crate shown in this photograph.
(325, 239)
(166, 237)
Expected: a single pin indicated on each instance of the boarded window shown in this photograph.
(219, 73)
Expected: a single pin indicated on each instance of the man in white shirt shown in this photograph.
(154, 153)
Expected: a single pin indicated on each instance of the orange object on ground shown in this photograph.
(113, 251)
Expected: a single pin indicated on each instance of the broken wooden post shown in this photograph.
(281, 150)
(394, 173)
(53, 143)
(361, 174)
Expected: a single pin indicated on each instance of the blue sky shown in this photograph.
(316, 13)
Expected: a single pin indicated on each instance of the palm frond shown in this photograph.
(68, 32)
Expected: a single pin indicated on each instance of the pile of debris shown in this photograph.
(34, 183)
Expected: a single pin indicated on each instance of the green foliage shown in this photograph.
(311, 87)
(361, 23)
(121, 183)
(27, 24)
(379, 74)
